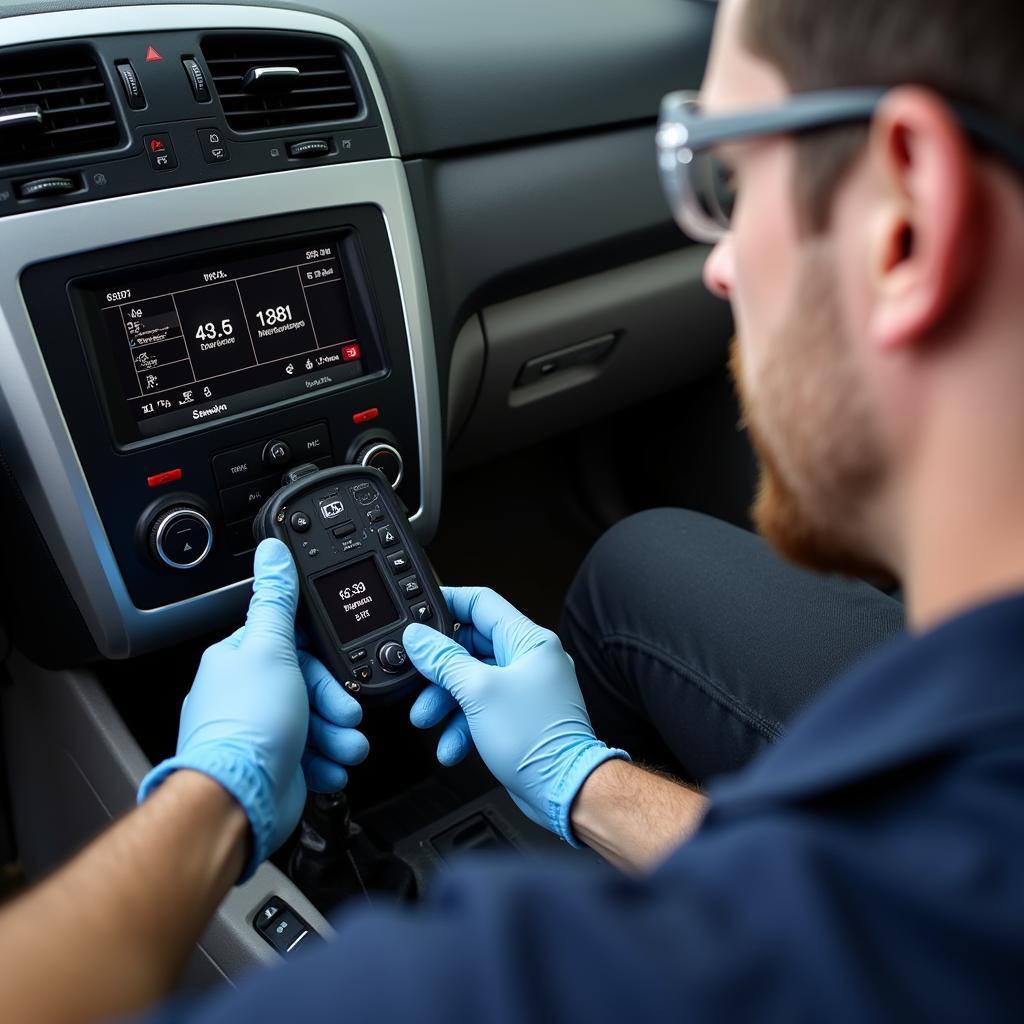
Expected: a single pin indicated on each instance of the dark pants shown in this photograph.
(695, 644)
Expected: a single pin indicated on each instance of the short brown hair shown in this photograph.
(967, 50)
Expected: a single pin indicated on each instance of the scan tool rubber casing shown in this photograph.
(363, 576)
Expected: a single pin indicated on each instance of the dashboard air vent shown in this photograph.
(280, 80)
(54, 102)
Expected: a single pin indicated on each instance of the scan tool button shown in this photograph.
(399, 562)
(410, 587)
(344, 529)
(331, 508)
(300, 522)
(375, 515)
(392, 657)
(160, 151)
(359, 654)
(421, 612)
(388, 537)
(362, 673)
(364, 493)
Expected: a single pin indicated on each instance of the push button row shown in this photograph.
(241, 465)
(245, 483)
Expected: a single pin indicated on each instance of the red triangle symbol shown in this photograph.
(152, 55)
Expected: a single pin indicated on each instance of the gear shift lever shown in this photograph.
(335, 860)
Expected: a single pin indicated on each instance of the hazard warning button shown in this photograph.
(180, 537)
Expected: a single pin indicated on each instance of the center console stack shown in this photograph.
(212, 361)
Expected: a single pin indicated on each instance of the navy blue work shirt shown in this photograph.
(868, 867)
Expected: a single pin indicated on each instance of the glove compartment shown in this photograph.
(551, 361)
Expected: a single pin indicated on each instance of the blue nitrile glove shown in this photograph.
(520, 704)
(247, 721)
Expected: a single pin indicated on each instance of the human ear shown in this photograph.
(923, 237)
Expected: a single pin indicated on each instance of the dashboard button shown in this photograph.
(131, 84)
(309, 149)
(160, 151)
(54, 185)
(277, 453)
(238, 465)
(211, 142)
(246, 499)
(169, 476)
(181, 537)
(410, 587)
(239, 538)
(196, 79)
(388, 537)
(310, 442)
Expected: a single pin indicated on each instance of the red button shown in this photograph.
(349, 353)
(159, 479)
(152, 55)
(366, 415)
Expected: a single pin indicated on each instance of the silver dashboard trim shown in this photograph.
(34, 433)
(99, 21)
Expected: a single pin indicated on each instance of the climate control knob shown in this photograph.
(180, 537)
(383, 456)
(392, 657)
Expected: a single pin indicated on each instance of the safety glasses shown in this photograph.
(699, 186)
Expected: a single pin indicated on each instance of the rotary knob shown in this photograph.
(383, 456)
(180, 537)
(392, 657)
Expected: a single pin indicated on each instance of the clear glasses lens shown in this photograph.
(712, 187)
(698, 186)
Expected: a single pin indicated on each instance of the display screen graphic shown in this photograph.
(198, 344)
(356, 599)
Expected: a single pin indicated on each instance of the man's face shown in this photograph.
(798, 373)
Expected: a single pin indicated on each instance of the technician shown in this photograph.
(867, 865)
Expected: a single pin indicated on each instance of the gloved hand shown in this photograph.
(247, 721)
(520, 704)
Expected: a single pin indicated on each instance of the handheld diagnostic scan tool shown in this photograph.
(363, 576)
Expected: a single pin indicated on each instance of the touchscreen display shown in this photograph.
(199, 342)
(356, 599)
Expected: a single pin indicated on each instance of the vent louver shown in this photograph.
(68, 87)
(322, 92)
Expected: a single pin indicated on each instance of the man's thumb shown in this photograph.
(439, 660)
(275, 592)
